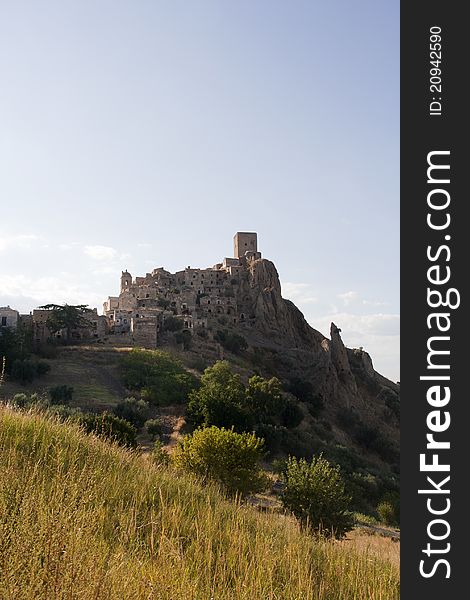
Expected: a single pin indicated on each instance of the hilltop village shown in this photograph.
(194, 298)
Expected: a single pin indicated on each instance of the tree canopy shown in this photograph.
(67, 316)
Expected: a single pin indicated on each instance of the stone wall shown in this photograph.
(8, 317)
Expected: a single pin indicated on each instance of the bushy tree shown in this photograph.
(27, 401)
(230, 458)
(173, 324)
(264, 398)
(184, 338)
(315, 493)
(386, 513)
(301, 389)
(231, 341)
(388, 508)
(67, 316)
(110, 427)
(133, 410)
(220, 400)
(157, 376)
(154, 427)
(15, 344)
(292, 414)
(61, 394)
(24, 370)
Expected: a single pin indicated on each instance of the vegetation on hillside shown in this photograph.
(315, 493)
(223, 455)
(158, 377)
(92, 520)
(287, 415)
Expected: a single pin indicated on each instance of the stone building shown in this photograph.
(97, 328)
(195, 297)
(9, 317)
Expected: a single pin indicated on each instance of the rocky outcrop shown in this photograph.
(344, 377)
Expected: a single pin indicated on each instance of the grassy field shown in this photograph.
(92, 371)
(82, 519)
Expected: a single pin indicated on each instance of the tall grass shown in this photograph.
(83, 519)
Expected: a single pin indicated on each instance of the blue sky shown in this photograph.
(143, 134)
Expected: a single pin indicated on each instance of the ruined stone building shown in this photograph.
(195, 297)
(97, 327)
(9, 317)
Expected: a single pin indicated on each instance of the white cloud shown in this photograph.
(374, 303)
(21, 241)
(381, 324)
(301, 293)
(100, 252)
(349, 297)
(21, 290)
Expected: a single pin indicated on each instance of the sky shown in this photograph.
(139, 134)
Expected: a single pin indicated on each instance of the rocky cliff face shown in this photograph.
(345, 378)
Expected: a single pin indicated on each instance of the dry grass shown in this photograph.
(382, 547)
(82, 519)
(92, 371)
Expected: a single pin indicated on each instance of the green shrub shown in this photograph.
(15, 344)
(274, 436)
(42, 368)
(154, 427)
(386, 513)
(347, 418)
(61, 394)
(292, 414)
(220, 400)
(323, 430)
(20, 400)
(184, 338)
(163, 303)
(392, 401)
(196, 362)
(230, 458)
(233, 342)
(159, 455)
(132, 410)
(347, 458)
(64, 412)
(300, 443)
(157, 376)
(301, 389)
(264, 398)
(110, 427)
(26, 401)
(387, 450)
(24, 370)
(173, 324)
(315, 493)
(366, 436)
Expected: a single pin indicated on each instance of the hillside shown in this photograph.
(81, 518)
(367, 454)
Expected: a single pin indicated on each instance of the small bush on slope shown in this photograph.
(133, 410)
(82, 518)
(230, 458)
(315, 493)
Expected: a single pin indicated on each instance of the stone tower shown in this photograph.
(126, 281)
(244, 242)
